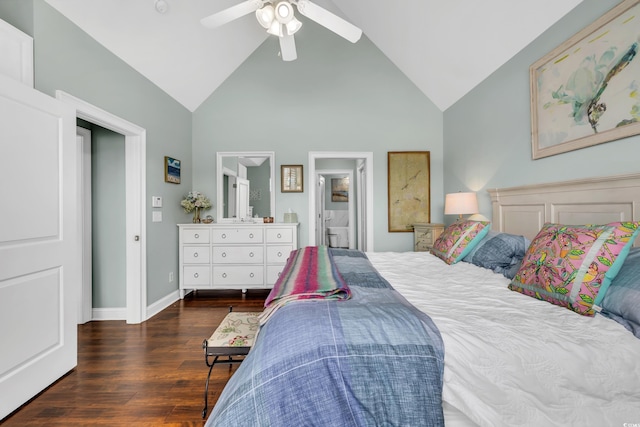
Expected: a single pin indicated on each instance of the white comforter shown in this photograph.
(511, 360)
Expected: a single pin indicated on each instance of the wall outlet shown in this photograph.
(170, 276)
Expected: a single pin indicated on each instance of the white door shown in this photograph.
(39, 242)
(242, 198)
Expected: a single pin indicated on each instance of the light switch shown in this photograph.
(156, 216)
(156, 201)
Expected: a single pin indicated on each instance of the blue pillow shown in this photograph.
(499, 252)
(622, 300)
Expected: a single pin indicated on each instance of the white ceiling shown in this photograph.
(444, 47)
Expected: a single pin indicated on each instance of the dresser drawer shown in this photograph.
(237, 235)
(238, 255)
(196, 275)
(195, 255)
(195, 235)
(273, 273)
(238, 275)
(278, 254)
(279, 235)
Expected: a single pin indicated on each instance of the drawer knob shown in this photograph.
(279, 236)
(250, 254)
(224, 255)
(196, 275)
(224, 236)
(195, 255)
(251, 235)
(279, 254)
(224, 275)
(251, 275)
(197, 236)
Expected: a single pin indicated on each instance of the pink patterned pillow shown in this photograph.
(573, 265)
(457, 240)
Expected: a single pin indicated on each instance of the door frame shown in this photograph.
(85, 304)
(135, 196)
(367, 159)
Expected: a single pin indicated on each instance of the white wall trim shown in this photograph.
(114, 313)
(162, 303)
(135, 176)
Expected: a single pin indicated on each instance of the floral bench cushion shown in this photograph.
(235, 333)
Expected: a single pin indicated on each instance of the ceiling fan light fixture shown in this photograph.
(284, 12)
(293, 26)
(265, 16)
(275, 29)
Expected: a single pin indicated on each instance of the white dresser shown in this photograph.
(233, 256)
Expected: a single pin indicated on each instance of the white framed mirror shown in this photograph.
(245, 185)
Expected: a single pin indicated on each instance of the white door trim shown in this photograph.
(135, 177)
(367, 157)
(85, 303)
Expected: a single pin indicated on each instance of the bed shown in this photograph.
(424, 342)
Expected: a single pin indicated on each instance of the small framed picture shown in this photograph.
(340, 189)
(171, 170)
(291, 179)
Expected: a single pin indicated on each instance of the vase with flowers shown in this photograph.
(195, 202)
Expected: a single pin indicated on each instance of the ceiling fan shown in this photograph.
(277, 17)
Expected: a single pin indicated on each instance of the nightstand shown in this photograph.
(425, 235)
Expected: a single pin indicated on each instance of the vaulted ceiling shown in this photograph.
(444, 47)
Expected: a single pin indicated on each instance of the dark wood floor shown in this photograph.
(152, 374)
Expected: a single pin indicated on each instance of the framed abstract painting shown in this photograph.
(587, 90)
(409, 189)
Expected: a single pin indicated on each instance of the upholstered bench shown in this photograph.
(232, 338)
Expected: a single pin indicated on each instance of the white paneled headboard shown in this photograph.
(523, 210)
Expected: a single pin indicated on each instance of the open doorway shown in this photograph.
(336, 226)
(135, 195)
(361, 163)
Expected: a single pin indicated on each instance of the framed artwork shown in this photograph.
(171, 170)
(585, 92)
(340, 189)
(291, 179)
(409, 194)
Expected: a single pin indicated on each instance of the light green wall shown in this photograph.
(336, 96)
(487, 134)
(68, 59)
(18, 13)
(108, 218)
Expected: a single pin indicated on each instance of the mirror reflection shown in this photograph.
(245, 185)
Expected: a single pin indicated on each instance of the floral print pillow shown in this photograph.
(458, 239)
(573, 265)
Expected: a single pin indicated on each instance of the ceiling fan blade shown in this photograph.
(234, 12)
(288, 47)
(329, 20)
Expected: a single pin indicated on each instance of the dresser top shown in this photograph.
(240, 224)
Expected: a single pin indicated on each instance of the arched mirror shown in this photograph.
(244, 183)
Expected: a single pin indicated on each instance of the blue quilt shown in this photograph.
(371, 360)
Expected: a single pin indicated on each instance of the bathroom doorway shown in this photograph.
(359, 163)
(336, 208)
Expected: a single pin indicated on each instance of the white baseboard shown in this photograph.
(162, 303)
(120, 313)
(115, 313)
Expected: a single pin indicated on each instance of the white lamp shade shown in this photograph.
(460, 203)
(284, 12)
(293, 26)
(265, 16)
(275, 29)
